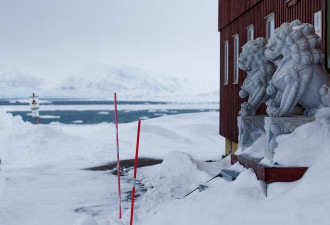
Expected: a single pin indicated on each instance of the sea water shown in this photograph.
(94, 112)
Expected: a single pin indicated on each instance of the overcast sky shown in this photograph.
(52, 38)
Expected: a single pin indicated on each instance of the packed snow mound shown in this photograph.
(179, 164)
(178, 175)
(8, 124)
(213, 205)
(307, 143)
(13, 79)
(25, 144)
(86, 220)
(127, 81)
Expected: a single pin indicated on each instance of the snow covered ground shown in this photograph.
(42, 181)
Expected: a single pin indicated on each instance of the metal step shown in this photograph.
(229, 175)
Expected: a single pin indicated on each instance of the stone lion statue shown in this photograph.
(259, 72)
(300, 76)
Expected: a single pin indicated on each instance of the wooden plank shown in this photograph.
(257, 169)
(270, 174)
(284, 174)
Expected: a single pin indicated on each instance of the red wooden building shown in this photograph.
(243, 20)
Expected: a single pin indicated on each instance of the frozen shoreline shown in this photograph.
(132, 107)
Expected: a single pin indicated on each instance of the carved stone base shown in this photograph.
(275, 126)
(250, 128)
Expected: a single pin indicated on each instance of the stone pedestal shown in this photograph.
(250, 128)
(275, 126)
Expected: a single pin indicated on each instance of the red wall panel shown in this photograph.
(229, 10)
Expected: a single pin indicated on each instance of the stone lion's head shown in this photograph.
(252, 55)
(295, 40)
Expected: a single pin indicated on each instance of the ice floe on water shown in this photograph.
(103, 113)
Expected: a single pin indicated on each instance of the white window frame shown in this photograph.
(270, 18)
(250, 30)
(226, 63)
(236, 55)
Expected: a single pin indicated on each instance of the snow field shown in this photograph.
(54, 188)
(193, 133)
(42, 180)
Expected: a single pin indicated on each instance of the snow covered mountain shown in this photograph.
(101, 81)
(128, 81)
(14, 78)
(16, 83)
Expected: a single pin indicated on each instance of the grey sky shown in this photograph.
(51, 38)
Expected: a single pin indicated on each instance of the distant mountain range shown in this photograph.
(18, 79)
(127, 81)
(100, 82)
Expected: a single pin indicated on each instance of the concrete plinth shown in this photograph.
(275, 126)
(250, 128)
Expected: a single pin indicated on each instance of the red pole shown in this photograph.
(135, 168)
(118, 167)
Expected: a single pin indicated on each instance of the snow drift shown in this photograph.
(243, 201)
(307, 143)
(26, 145)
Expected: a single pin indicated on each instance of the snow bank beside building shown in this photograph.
(243, 201)
(307, 144)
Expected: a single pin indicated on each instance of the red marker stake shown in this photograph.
(135, 168)
(118, 167)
